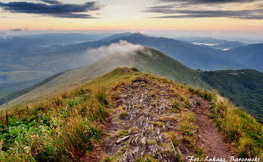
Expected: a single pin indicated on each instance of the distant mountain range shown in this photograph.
(193, 56)
(24, 58)
(51, 39)
(213, 43)
(249, 55)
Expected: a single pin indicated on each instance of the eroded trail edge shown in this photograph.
(210, 138)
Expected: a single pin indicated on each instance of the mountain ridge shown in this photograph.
(167, 67)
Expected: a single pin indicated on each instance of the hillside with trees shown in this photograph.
(243, 87)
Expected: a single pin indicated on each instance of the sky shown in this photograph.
(197, 17)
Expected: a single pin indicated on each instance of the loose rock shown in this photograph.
(122, 139)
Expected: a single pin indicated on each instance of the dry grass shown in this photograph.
(62, 127)
(237, 126)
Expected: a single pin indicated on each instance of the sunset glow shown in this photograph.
(132, 16)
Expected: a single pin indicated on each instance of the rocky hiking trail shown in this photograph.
(147, 125)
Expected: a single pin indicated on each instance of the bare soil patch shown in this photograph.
(210, 138)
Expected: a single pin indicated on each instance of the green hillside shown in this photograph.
(152, 61)
(243, 87)
(159, 64)
(82, 124)
(145, 59)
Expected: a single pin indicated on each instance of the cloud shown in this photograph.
(208, 1)
(122, 47)
(3, 35)
(17, 30)
(240, 9)
(53, 8)
(51, 1)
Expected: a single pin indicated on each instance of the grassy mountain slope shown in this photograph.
(146, 60)
(157, 63)
(193, 56)
(38, 119)
(243, 87)
(72, 125)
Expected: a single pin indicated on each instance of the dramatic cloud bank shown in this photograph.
(53, 8)
(51, 1)
(241, 9)
(189, 2)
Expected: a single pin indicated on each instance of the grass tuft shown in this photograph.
(101, 96)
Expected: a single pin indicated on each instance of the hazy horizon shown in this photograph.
(247, 37)
(232, 20)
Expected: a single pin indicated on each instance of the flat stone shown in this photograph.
(158, 131)
(159, 139)
(136, 150)
(136, 143)
(143, 141)
(164, 128)
(122, 139)
(142, 152)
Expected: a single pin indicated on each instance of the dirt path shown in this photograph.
(143, 122)
(210, 138)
